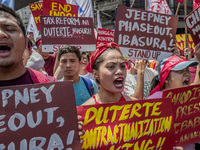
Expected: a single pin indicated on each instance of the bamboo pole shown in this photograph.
(185, 11)
(178, 8)
(132, 3)
(146, 4)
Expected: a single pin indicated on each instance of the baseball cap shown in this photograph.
(185, 64)
(174, 63)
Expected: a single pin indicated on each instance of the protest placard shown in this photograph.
(181, 44)
(39, 116)
(57, 8)
(58, 31)
(104, 36)
(137, 125)
(186, 110)
(144, 34)
(192, 22)
(36, 9)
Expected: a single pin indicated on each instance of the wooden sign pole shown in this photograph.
(178, 8)
(132, 3)
(185, 11)
(146, 4)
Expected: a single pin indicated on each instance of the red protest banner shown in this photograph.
(138, 125)
(58, 8)
(144, 34)
(57, 31)
(37, 117)
(181, 44)
(186, 110)
(104, 36)
(192, 22)
(36, 9)
(196, 4)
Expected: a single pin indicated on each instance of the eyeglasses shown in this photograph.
(84, 58)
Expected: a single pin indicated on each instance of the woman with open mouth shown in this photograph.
(109, 69)
(173, 72)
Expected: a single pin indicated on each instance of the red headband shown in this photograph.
(166, 67)
(39, 42)
(100, 49)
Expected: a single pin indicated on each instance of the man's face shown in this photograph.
(187, 53)
(12, 40)
(70, 65)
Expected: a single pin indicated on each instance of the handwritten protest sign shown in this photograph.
(186, 110)
(104, 36)
(58, 31)
(56, 8)
(138, 125)
(39, 116)
(36, 9)
(192, 22)
(143, 34)
(181, 44)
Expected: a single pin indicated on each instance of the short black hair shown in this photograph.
(69, 49)
(15, 15)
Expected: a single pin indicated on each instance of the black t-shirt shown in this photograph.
(23, 79)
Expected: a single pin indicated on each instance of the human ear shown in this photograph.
(96, 74)
(166, 81)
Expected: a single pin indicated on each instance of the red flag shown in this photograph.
(196, 4)
(181, 1)
(159, 6)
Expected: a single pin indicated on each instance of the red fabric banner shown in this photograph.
(186, 108)
(138, 125)
(192, 22)
(136, 32)
(196, 4)
(159, 6)
(104, 36)
(57, 8)
(36, 9)
(181, 44)
(35, 116)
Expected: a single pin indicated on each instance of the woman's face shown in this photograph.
(179, 79)
(112, 72)
(84, 61)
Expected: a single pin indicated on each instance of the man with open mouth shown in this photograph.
(12, 46)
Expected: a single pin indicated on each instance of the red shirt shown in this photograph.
(49, 64)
